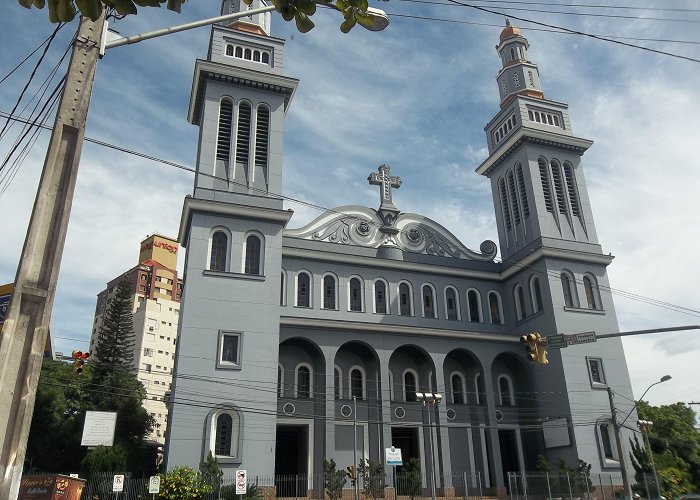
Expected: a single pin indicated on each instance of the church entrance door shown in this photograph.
(291, 460)
(509, 453)
(405, 438)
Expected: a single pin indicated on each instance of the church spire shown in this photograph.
(258, 23)
(518, 76)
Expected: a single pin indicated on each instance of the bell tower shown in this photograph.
(534, 162)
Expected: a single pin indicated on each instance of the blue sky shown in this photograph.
(417, 97)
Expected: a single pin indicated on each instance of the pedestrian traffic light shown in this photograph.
(352, 473)
(535, 348)
(80, 358)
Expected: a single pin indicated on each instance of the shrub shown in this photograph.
(183, 483)
(333, 480)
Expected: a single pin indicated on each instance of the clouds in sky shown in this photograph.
(417, 97)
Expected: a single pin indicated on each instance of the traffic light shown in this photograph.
(535, 348)
(80, 358)
(352, 473)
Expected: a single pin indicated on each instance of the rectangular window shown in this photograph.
(147, 352)
(229, 350)
(147, 367)
(595, 371)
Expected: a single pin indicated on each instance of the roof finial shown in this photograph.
(507, 22)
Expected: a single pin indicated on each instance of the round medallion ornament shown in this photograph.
(399, 412)
(451, 414)
(362, 228)
(499, 415)
(346, 410)
(289, 409)
(414, 235)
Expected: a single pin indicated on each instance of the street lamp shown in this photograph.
(645, 426)
(429, 400)
(616, 426)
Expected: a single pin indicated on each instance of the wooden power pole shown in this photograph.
(26, 325)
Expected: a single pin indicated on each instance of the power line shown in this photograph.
(50, 37)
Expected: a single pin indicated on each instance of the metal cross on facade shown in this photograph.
(386, 181)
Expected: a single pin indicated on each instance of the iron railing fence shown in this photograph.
(548, 486)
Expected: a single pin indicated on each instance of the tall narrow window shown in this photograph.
(513, 197)
(479, 389)
(606, 441)
(559, 187)
(262, 134)
(280, 380)
(504, 203)
(256, 55)
(239, 52)
(247, 54)
(457, 389)
(219, 247)
(409, 386)
(519, 297)
(303, 382)
(428, 302)
(223, 138)
(355, 294)
(229, 50)
(337, 383)
(404, 299)
(283, 288)
(380, 297)
(495, 308)
(536, 292)
(303, 290)
(571, 188)
(505, 391)
(522, 191)
(357, 383)
(474, 306)
(243, 135)
(591, 288)
(567, 286)
(266, 58)
(451, 304)
(328, 292)
(224, 434)
(546, 185)
(252, 255)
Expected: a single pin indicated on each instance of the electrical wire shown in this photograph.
(50, 37)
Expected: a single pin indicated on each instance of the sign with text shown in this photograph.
(581, 338)
(118, 483)
(154, 484)
(99, 428)
(241, 482)
(556, 341)
(393, 456)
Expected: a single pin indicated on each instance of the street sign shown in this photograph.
(118, 483)
(241, 482)
(581, 338)
(154, 484)
(98, 429)
(556, 341)
(393, 456)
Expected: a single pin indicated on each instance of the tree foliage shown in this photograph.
(372, 474)
(183, 483)
(333, 480)
(115, 341)
(353, 11)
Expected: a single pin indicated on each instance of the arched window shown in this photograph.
(495, 309)
(329, 291)
(303, 290)
(283, 289)
(428, 301)
(223, 138)
(478, 388)
(592, 292)
(546, 185)
(266, 58)
(405, 300)
(239, 52)
(252, 255)
(247, 54)
(337, 383)
(229, 50)
(504, 203)
(505, 391)
(410, 385)
(519, 298)
(451, 304)
(458, 389)
(568, 286)
(380, 298)
(243, 134)
(224, 433)
(523, 192)
(536, 293)
(357, 383)
(262, 136)
(219, 249)
(280, 380)
(474, 305)
(355, 287)
(256, 55)
(303, 381)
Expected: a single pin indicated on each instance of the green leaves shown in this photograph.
(63, 11)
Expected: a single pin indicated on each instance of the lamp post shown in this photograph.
(430, 400)
(616, 426)
(26, 326)
(645, 426)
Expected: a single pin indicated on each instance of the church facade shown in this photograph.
(299, 345)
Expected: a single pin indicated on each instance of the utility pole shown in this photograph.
(27, 323)
(620, 451)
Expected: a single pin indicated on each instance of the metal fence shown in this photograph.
(546, 486)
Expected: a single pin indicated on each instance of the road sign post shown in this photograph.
(556, 341)
(118, 483)
(154, 485)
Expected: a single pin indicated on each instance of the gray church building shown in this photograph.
(289, 336)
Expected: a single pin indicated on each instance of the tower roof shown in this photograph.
(509, 31)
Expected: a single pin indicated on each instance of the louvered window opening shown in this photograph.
(223, 140)
(546, 186)
(523, 192)
(262, 135)
(571, 187)
(504, 203)
(243, 135)
(513, 197)
(559, 187)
